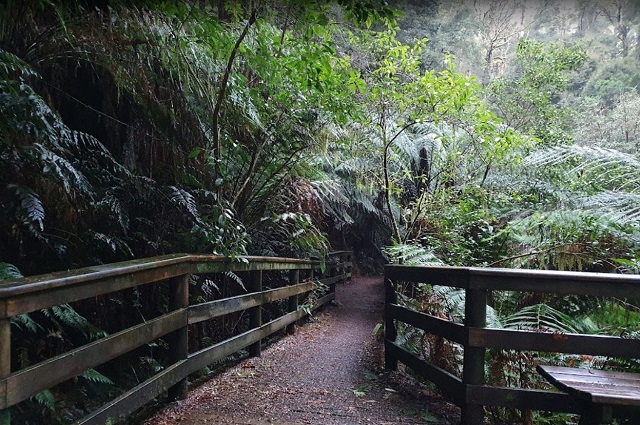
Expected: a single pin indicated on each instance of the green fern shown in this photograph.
(183, 199)
(31, 207)
(237, 279)
(64, 316)
(412, 254)
(46, 399)
(544, 317)
(25, 321)
(94, 376)
(9, 271)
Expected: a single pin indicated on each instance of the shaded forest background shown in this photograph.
(471, 133)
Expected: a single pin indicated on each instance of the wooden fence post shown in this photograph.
(390, 332)
(179, 339)
(294, 279)
(475, 315)
(5, 362)
(255, 313)
(349, 268)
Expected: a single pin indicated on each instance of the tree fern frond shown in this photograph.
(610, 167)
(9, 271)
(237, 279)
(541, 317)
(94, 376)
(31, 206)
(405, 145)
(25, 321)
(116, 210)
(617, 206)
(62, 170)
(113, 243)
(183, 199)
(412, 254)
(46, 399)
(66, 316)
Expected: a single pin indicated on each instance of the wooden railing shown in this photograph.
(40, 292)
(470, 392)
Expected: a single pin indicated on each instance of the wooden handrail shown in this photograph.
(471, 393)
(30, 294)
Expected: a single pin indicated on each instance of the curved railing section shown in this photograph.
(31, 294)
(470, 392)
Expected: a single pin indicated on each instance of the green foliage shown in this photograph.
(527, 100)
(9, 271)
(409, 254)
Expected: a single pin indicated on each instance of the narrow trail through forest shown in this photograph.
(329, 372)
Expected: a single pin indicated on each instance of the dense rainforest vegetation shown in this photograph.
(499, 133)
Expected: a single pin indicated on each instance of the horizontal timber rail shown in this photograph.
(471, 392)
(296, 278)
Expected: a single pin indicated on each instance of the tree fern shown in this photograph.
(94, 376)
(543, 317)
(9, 271)
(65, 317)
(46, 399)
(25, 321)
(412, 254)
(183, 199)
(31, 208)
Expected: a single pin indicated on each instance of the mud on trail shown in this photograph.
(329, 372)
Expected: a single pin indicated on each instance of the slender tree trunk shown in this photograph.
(387, 180)
(224, 82)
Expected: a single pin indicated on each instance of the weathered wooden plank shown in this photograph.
(28, 382)
(94, 273)
(448, 384)
(520, 398)
(208, 264)
(212, 309)
(255, 313)
(118, 409)
(323, 300)
(446, 276)
(294, 279)
(575, 283)
(5, 367)
(595, 345)
(475, 315)
(444, 328)
(178, 340)
(593, 375)
(37, 292)
(201, 359)
(47, 296)
(600, 387)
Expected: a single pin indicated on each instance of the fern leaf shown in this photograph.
(237, 279)
(9, 271)
(30, 205)
(24, 321)
(541, 317)
(46, 399)
(412, 254)
(183, 199)
(93, 375)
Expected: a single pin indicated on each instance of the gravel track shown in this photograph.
(329, 372)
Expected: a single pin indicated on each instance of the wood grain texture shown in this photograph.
(595, 386)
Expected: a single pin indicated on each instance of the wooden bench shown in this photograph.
(599, 391)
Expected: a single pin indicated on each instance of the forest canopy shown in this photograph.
(477, 133)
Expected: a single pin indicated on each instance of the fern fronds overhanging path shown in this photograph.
(329, 372)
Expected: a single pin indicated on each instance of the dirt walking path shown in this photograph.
(329, 372)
